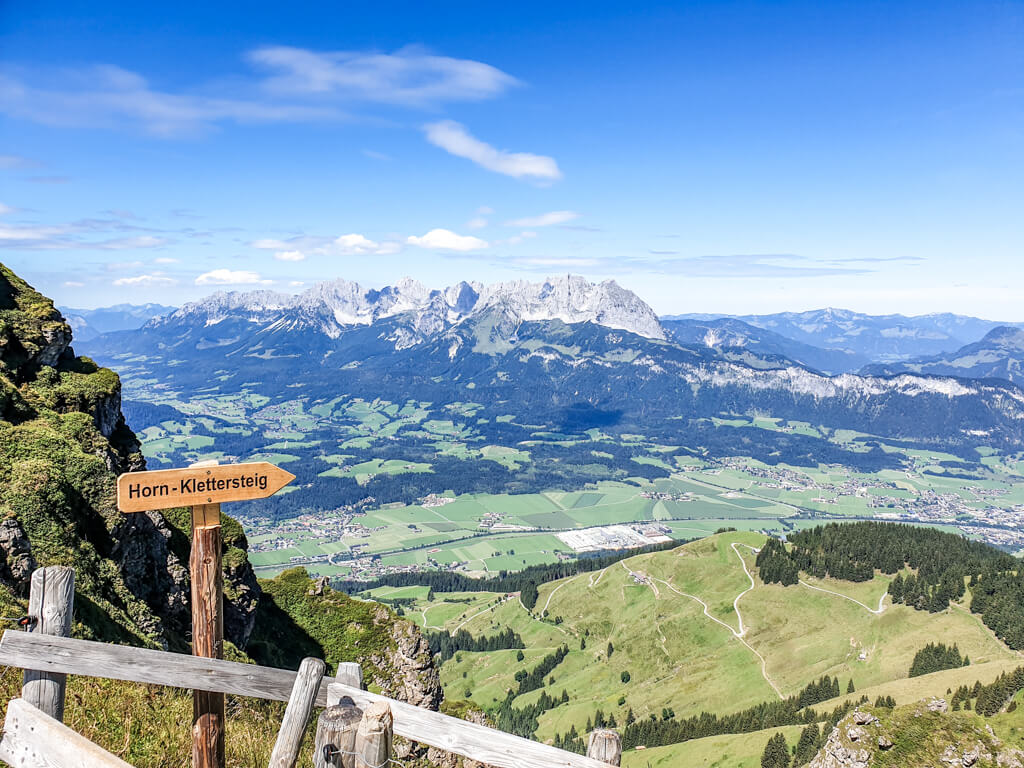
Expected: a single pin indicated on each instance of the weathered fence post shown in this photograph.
(296, 714)
(374, 736)
(50, 603)
(207, 634)
(350, 674)
(335, 744)
(606, 746)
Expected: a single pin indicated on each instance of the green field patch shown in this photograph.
(274, 458)
(587, 500)
(556, 519)
(507, 457)
(443, 526)
(653, 461)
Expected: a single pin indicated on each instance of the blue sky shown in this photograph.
(713, 157)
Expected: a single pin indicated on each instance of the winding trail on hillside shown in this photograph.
(488, 609)
(552, 594)
(737, 634)
(736, 602)
(427, 624)
(881, 600)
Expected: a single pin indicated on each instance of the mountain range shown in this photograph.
(874, 338)
(89, 323)
(999, 355)
(831, 341)
(547, 352)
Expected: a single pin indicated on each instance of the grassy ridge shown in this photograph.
(678, 657)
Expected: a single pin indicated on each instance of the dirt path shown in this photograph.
(548, 601)
(737, 634)
(488, 609)
(736, 602)
(881, 600)
(427, 624)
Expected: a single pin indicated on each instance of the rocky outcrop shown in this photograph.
(925, 735)
(410, 674)
(151, 571)
(241, 595)
(17, 561)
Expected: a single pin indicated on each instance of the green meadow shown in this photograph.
(672, 620)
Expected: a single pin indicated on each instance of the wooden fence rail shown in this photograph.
(478, 742)
(142, 665)
(32, 739)
(66, 655)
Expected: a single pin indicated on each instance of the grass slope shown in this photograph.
(650, 608)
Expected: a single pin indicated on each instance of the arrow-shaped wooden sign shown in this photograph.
(166, 488)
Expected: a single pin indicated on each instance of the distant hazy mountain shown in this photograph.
(729, 334)
(558, 352)
(879, 338)
(1000, 355)
(89, 323)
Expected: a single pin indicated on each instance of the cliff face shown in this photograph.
(63, 441)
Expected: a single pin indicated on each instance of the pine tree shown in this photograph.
(850, 688)
(611, 649)
(776, 753)
(807, 746)
(896, 589)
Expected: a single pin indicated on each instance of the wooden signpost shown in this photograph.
(204, 487)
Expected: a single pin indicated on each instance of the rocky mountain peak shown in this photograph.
(335, 304)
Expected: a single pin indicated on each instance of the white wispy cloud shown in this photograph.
(5, 209)
(558, 261)
(544, 220)
(84, 234)
(302, 246)
(446, 240)
(144, 281)
(165, 260)
(453, 138)
(232, 277)
(516, 239)
(286, 85)
(477, 223)
(409, 76)
(128, 243)
(111, 97)
(73, 284)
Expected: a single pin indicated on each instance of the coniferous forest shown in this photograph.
(942, 562)
(935, 657)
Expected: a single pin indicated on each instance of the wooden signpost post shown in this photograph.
(203, 487)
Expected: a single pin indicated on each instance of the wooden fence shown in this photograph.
(354, 731)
